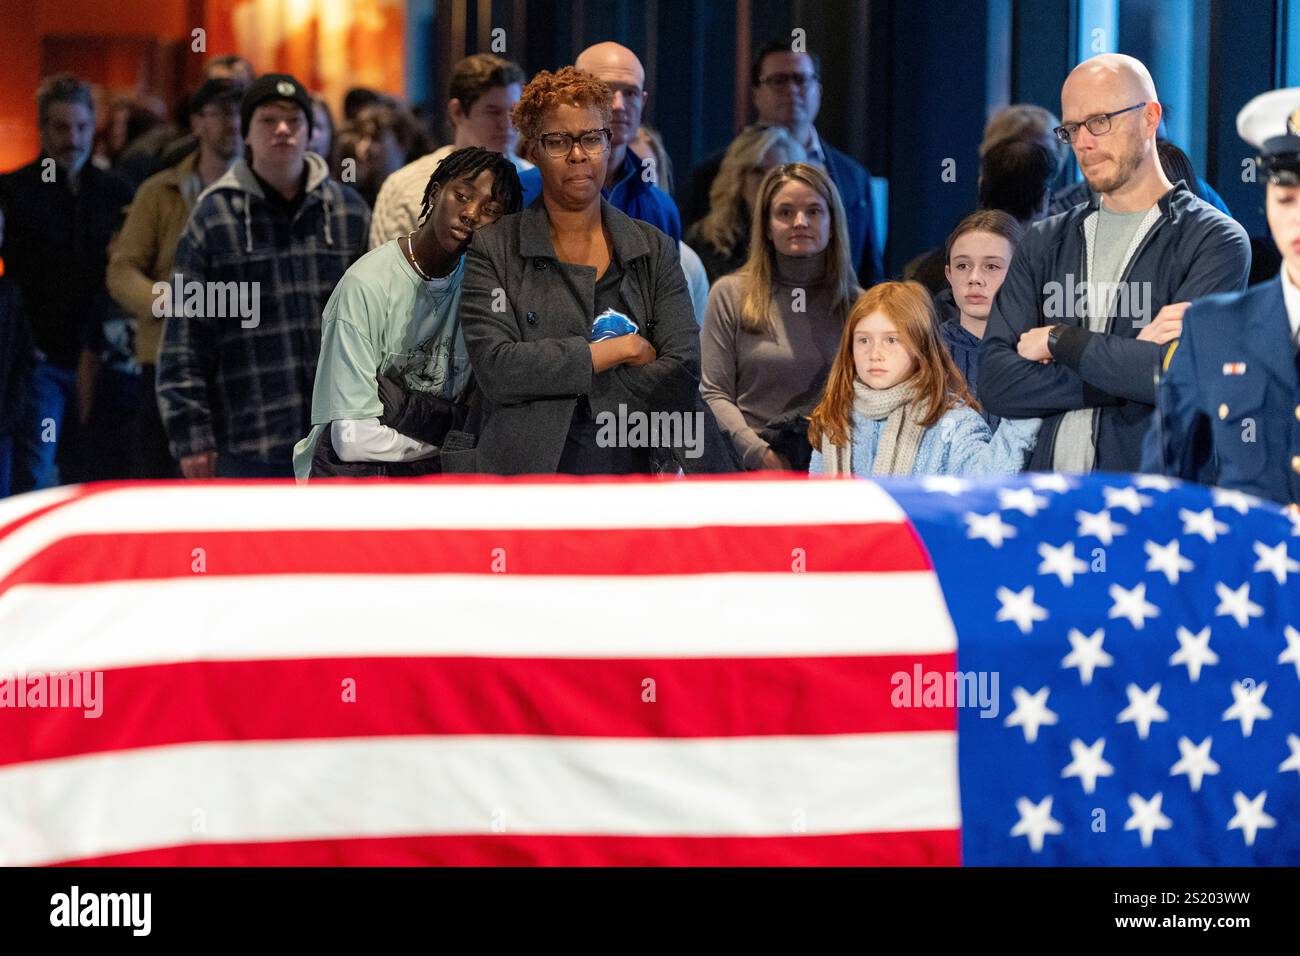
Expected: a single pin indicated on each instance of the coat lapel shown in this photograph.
(1268, 334)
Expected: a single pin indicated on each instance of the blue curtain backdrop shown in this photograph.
(907, 84)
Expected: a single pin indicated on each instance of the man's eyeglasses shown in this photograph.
(799, 81)
(1098, 125)
(593, 142)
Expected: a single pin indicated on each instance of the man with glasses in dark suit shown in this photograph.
(787, 92)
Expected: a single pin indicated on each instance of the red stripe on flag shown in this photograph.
(907, 848)
(97, 558)
(299, 699)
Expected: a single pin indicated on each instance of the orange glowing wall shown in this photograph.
(331, 45)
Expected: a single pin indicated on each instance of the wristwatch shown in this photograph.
(1054, 336)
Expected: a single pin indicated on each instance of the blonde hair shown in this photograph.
(939, 385)
(728, 218)
(758, 308)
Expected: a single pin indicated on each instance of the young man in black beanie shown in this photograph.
(257, 262)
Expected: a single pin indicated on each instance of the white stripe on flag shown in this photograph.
(122, 624)
(389, 786)
(11, 509)
(578, 505)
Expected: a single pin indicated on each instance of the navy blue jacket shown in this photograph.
(631, 195)
(1229, 401)
(851, 179)
(1192, 251)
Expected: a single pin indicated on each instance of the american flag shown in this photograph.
(643, 672)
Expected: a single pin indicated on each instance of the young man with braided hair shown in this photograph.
(393, 375)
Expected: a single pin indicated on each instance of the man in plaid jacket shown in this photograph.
(257, 262)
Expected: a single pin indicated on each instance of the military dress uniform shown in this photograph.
(1228, 402)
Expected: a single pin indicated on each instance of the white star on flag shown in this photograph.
(1292, 653)
(1147, 818)
(1030, 713)
(1250, 817)
(1143, 709)
(1195, 762)
(1167, 559)
(1019, 606)
(1132, 604)
(1241, 503)
(1292, 762)
(1155, 482)
(1194, 651)
(948, 484)
(1275, 561)
(1248, 705)
(1088, 763)
(1050, 482)
(1236, 604)
(1035, 821)
(1061, 562)
(990, 527)
(1126, 498)
(1021, 499)
(1087, 654)
(1099, 525)
(1203, 523)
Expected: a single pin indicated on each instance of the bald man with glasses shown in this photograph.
(1095, 296)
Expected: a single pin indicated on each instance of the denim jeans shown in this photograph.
(51, 394)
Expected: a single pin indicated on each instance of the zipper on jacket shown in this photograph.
(1110, 318)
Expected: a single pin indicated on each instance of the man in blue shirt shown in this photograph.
(629, 185)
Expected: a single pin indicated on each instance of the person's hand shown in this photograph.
(1166, 326)
(630, 349)
(639, 350)
(202, 465)
(1033, 345)
(774, 461)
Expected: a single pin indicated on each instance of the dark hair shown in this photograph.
(357, 99)
(1177, 165)
(985, 220)
(1013, 177)
(61, 88)
(232, 62)
(375, 119)
(778, 46)
(479, 73)
(469, 163)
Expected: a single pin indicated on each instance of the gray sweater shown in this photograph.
(751, 380)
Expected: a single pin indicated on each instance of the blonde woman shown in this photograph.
(772, 329)
(722, 237)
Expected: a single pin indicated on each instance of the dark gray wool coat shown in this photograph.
(526, 317)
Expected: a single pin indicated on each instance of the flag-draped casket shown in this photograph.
(1039, 670)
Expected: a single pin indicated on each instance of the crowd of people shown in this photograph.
(254, 292)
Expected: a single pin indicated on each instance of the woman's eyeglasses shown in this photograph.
(593, 142)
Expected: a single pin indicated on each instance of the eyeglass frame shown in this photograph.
(541, 141)
(804, 80)
(1065, 135)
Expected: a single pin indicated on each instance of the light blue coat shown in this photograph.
(959, 444)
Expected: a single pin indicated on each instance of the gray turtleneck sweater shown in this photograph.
(750, 380)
